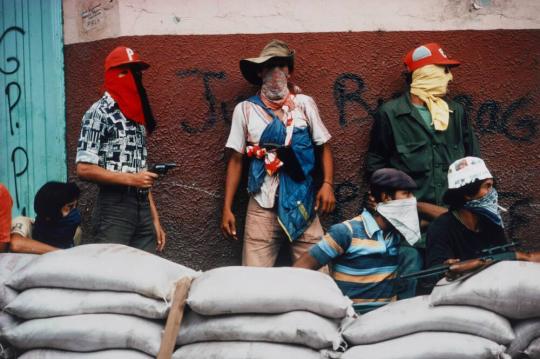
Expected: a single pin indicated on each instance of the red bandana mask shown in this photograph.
(120, 84)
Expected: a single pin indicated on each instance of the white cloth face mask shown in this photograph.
(403, 215)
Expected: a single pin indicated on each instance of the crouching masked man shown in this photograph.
(363, 251)
(57, 222)
(473, 222)
(112, 153)
(278, 129)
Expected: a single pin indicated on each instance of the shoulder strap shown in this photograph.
(257, 101)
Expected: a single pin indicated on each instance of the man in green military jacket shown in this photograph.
(421, 133)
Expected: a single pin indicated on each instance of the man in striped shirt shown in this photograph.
(363, 251)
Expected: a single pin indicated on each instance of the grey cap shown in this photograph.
(392, 178)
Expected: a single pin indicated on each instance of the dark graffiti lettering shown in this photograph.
(12, 104)
(23, 156)
(11, 58)
(19, 153)
(209, 96)
(493, 118)
(348, 90)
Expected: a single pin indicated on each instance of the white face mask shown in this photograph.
(403, 215)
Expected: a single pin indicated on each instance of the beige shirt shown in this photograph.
(24, 226)
(248, 123)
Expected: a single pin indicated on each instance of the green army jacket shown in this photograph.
(401, 139)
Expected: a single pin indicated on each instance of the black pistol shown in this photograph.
(162, 168)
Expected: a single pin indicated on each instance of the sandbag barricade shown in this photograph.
(526, 332)
(533, 351)
(299, 327)
(112, 267)
(244, 350)
(86, 333)
(11, 263)
(510, 288)
(240, 290)
(249, 312)
(104, 354)
(415, 315)
(92, 301)
(430, 345)
(53, 302)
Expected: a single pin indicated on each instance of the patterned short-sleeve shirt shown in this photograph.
(108, 139)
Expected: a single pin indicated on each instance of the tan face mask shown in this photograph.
(430, 83)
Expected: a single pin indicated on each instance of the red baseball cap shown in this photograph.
(123, 55)
(428, 54)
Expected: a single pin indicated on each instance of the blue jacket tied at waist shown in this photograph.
(295, 203)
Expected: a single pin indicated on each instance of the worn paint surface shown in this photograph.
(32, 102)
(194, 84)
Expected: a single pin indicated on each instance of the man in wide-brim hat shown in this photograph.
(278, 129)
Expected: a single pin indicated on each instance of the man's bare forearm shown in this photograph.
(20, 244)
(234, 172)
(94, 173)
(327, 162)
(307, 261)
(153, 208)
(430, 211)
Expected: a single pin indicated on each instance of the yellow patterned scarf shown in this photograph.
(430, 84)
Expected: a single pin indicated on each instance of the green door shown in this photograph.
(32, 99)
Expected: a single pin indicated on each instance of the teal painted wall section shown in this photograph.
(32, 98)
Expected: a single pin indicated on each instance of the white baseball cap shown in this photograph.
(467, 170)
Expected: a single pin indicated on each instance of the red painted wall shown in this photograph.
(194, 83)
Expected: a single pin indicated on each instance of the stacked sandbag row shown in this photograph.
(262, 313)
(92, 301)
(9, 264)
(494, 313)
(509, 288)
(413, 329)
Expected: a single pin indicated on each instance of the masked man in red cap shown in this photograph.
(112, 153)
(278, 130)
(421, 133)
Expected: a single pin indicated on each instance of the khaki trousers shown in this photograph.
(263, 237)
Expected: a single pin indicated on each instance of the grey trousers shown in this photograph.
(123, 216)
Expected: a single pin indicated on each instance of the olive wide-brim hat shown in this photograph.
(273, 51)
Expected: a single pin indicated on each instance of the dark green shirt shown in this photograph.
(401, 139)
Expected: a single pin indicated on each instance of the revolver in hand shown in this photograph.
(162, 168)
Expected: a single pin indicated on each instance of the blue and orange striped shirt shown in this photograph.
(364, 260)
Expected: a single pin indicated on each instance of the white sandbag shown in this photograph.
(244, 350)
(510, 288)
(429, 345)
(303, 328)
(7, 321)
(526, 331)
(6, 350)
(103, 267)
(89, 332)
(53, 302)
(9, 264)
(234, 290)
(533, 351)
(416, 315)
(104, 354)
